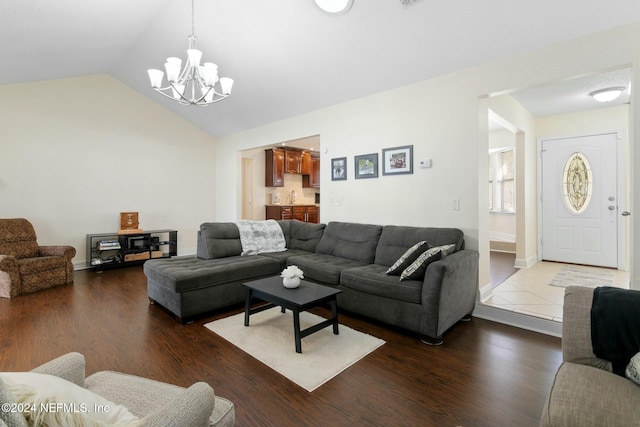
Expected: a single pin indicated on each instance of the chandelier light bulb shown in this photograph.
(155, 76)
(226, 84)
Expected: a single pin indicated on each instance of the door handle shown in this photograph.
(626, 213)
(612, 208)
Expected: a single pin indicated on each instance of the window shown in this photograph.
(502, 181)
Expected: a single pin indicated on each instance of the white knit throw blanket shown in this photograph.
(261, 236)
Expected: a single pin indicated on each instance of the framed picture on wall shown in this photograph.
(339, 169)
(397, 160)
(366, 166)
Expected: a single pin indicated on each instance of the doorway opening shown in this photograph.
(533, 283)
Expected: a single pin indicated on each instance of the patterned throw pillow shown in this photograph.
(408, 258)
(417, 269)
(447, 249)
(633, 369)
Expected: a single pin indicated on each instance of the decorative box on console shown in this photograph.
(129, 223)
(136, 257)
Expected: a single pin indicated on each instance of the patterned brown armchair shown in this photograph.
(27, 267)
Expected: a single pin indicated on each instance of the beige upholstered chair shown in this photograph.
(27, 267)
(585, 391)
(154, 403)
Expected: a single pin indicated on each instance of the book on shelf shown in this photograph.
(105, 245)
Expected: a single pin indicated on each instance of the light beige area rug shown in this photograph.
(270, 339)
(578, 275)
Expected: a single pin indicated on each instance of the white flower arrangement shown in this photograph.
(291, 272)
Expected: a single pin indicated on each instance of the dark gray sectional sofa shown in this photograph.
(353, 257)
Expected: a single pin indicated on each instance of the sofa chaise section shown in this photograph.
(189, 286)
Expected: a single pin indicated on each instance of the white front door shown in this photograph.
(579, 200)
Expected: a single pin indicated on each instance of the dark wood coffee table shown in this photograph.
(302, 298)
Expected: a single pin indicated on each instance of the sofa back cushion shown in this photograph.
(305, 235)
(18, 238)
(285, 224)
(357, 242)
(218, 240)
(395, 240)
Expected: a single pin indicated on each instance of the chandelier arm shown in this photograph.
(184, 75)
(217, 96)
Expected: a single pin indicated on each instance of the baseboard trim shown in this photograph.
(525, 263)
(486, 291)
(518, 320)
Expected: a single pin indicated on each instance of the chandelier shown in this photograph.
(195, 84)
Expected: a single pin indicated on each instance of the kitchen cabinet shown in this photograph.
(293, 161)
(305, 213)
(279, 161)
(312, 179)
(306, 163)
(279, 212)
(313, 214)
(274, 167)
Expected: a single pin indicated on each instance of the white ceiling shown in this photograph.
(286, 56)
(569, 95)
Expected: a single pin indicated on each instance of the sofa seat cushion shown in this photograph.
(323, 268)
(181, 274)
(372, 279)
(586, 396)
(35, 265)
(283, 256)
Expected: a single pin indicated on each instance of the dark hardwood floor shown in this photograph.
(502, 266)
(485, 374)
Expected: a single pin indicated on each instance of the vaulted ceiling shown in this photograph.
(286, 57)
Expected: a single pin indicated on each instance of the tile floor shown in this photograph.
(528, 291)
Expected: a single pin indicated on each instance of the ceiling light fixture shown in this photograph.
(195, 84)
(607, 95)
(334, 7)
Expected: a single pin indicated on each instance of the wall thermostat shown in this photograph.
(425, 163)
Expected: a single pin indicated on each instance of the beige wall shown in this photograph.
(445, 119)
(74, 153)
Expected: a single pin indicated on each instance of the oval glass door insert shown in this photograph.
(577, 183)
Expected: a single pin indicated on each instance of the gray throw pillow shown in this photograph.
(408, 258)
(418, 268)
(11, 418)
